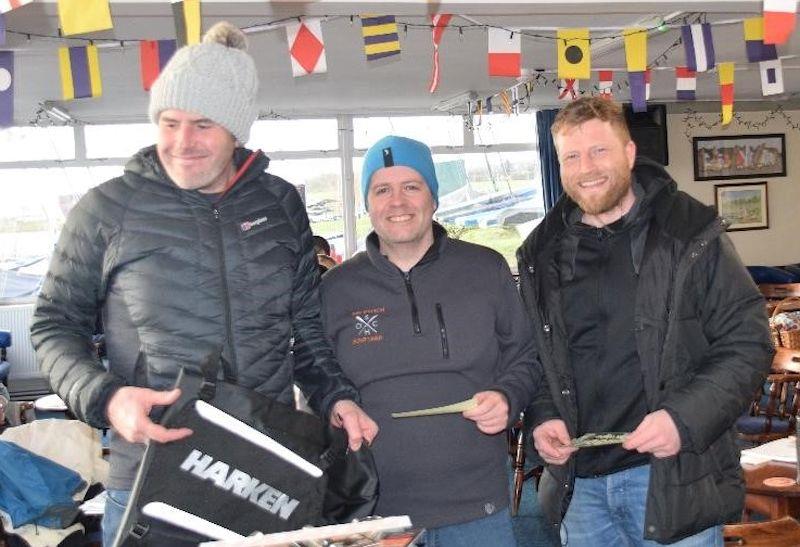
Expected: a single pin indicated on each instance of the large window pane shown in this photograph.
(37, 143)
(294, 135)
(118, 141)
(503, 129)
(432, 130)
(493, 199)
(36, 203)
(319, 182)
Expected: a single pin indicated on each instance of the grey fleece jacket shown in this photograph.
(452, 326)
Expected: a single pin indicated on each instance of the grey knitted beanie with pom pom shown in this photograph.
(216, 78)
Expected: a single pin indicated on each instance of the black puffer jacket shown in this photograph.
(703, 342)
(179, 279)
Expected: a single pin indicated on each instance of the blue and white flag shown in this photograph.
(6, 88)
(771, 77)
(2, 30)
(638, 83)
(699, 46)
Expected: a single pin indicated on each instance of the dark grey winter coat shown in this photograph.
(179, 279)
(702, 338)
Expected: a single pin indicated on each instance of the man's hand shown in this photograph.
(552, 441)
(491, 414)
(359, 427)
(129, 414)
(656, 434)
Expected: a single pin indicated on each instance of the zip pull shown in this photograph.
(442, 331)
(215, 212)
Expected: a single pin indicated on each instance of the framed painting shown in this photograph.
(739, 157)
(743, 205)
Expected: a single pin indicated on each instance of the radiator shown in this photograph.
(17, 319)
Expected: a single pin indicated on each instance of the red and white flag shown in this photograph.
(306, 47)
(440, 22)
(505, 53)
(779, 20)
(568, 90)
(606, 84)
(8, 5)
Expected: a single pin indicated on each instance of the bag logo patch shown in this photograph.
(367, 325)
(240, 484)
(248, 225)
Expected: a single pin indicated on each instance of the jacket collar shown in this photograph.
(146, 164)
(381, 262)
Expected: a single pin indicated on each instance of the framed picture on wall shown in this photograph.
(743, 205)
(739, 157)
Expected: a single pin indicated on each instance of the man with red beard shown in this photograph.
(647, 324)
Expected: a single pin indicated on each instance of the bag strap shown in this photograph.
(210, 368)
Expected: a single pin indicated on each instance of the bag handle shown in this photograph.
(784, 303)
(210, 368)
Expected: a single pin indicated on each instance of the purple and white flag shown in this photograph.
(6, 88)
(699, 46)
(771, 77)
(2, 30)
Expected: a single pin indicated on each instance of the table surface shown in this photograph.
(754, 476)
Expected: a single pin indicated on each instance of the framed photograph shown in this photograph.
(743, 205)
(739, 157)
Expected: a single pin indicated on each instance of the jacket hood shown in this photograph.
(145, 164)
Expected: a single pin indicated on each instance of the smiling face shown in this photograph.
(196, 152)
(401, 209)
(596, 162)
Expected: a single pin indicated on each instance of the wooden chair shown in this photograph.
(516, 449)
(773, 410)
(782, 532)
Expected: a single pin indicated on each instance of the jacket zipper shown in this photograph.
(228, 367)
(413, 302)
(442, 331)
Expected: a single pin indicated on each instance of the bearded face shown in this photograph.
(596, 165)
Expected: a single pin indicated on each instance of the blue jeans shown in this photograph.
(116, 503)
(494, 530)
(609, 510)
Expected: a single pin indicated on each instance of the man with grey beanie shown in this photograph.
(194, 251)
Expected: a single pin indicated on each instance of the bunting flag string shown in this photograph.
(440, 22)
(82, 16)
(80, 72)
(380, 36)
(6, 88)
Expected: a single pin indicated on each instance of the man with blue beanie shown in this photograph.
(419, 320)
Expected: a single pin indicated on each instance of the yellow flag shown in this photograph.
(187, 21)
(81, 16)
(636, 49)
(574, 57)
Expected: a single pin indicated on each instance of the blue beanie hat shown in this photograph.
(392, 151)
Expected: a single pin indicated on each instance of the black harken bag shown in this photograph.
(220, 477)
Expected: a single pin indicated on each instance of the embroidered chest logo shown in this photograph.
(248, 225)
(367, 324)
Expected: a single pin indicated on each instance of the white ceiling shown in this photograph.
(391, 85)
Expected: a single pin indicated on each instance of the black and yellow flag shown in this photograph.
(574, 57)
